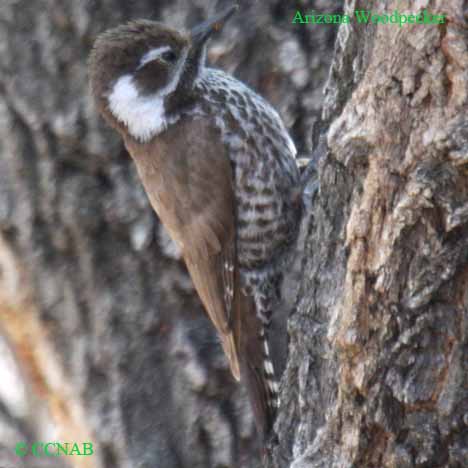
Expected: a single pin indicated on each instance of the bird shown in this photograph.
(218, 166)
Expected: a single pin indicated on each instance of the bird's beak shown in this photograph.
(201, 33)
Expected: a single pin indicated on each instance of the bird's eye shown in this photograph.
(169, 56)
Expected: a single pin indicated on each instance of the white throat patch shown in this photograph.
(144, 116)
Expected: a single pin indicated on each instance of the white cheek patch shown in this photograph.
(144, 116)
(152, 55)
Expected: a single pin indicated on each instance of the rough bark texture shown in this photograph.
(377, 373)
(103, 339)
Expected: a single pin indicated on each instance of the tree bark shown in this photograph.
(377, 371)
(102, 336)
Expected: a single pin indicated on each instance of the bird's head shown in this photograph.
(143, 63)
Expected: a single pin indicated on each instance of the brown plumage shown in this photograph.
(218, 167)
(191, 190)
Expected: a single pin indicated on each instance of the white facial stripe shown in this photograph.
(144, 116)
(152, 55)
(171, 87)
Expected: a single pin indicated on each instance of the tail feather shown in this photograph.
(256, 366)
(270, 375)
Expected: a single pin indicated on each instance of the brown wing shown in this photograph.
(188, 178)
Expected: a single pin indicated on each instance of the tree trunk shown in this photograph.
(102, 336)
(377, 372)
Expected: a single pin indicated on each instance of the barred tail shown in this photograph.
(256, 366)
(270, 374)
